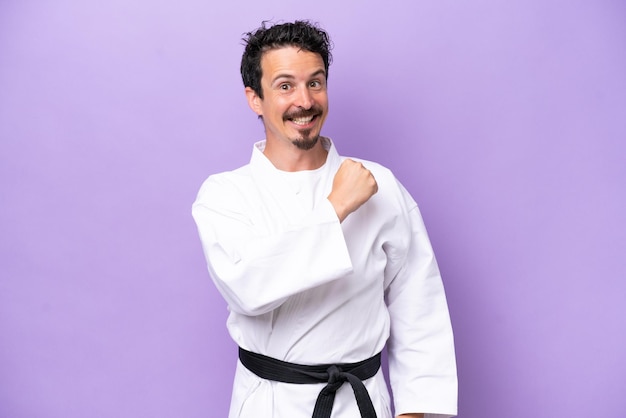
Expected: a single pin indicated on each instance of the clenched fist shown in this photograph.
(353, 185)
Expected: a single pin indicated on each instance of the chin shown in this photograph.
(306, 143)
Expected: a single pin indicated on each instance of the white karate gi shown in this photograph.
(304, 288)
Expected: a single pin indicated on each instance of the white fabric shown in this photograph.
(304, 288)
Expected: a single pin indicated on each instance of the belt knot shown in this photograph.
(336, 376)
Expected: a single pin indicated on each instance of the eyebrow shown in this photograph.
(317, 73)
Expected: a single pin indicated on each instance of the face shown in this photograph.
(295, 100)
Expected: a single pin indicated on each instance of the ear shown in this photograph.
(254, 101)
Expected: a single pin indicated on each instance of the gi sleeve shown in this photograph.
(422, 365)
(257, 268)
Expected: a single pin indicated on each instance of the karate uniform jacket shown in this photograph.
(304, 288)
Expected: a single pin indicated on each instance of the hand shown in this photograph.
(353, 185)
(411, 416)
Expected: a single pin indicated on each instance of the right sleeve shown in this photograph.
(256, 268)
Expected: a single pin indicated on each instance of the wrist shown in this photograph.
(340, 209)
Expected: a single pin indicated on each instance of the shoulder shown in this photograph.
(379, 171)
(390, 188)
(225, 185)
(384, 176)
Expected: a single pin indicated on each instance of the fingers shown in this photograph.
(355, 174)
(353, 185)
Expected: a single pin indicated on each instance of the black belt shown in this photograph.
(334, 375)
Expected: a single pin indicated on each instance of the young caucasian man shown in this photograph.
(322, 259)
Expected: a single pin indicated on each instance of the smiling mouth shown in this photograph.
(303, 120)
(303, 117)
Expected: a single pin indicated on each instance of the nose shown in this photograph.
(304, 98)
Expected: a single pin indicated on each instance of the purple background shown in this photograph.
(506, 121)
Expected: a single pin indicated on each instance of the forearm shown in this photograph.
(411, 416)
(255, 263)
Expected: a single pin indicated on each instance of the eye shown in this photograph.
(285, 87)
(315, 84)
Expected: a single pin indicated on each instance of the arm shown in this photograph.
(257, 267)
(421, 348)
(257, 263)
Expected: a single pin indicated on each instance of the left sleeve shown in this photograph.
(422, 365)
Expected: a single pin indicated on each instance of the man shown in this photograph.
(322, 259)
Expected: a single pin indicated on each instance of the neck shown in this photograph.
(295, 159)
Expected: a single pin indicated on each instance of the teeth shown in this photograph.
(302, 121)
